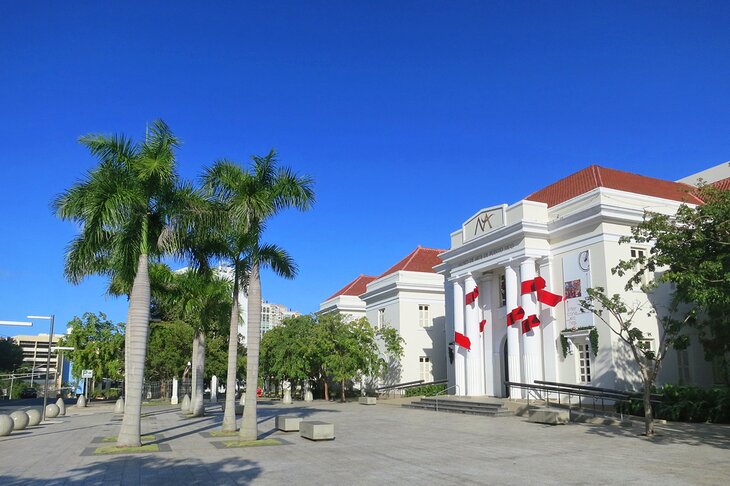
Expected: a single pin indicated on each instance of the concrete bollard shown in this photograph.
(242, 401)
(34, 417)
(214, 389)
(81, 402)
(20, 419)
(61, 406)
(6, 425)
(173, 399)
(119, 406)
(185, 405)
(52, 410)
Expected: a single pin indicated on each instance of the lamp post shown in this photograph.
(48, 360)
(23, 324)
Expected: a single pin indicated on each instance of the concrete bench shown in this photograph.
(366, 400)
(287, 423)
(550, 417)
(316, 430)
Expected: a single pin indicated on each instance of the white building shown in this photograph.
(567, 234)
(347, 300)
(409, 297)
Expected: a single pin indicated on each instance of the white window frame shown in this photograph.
(425, 369)
(381, 318)
(636, 252)
(424, 316)
(502, 291)
(583, 362)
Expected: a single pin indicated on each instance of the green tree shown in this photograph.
(691, 250)
(98, 345)
(250, 198)
(620, 319)
(351, 349)
(11, 354)
(169, 349)
(288, 351)
(128, 208)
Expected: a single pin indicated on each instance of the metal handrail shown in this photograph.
(442, 392)
(400, 385)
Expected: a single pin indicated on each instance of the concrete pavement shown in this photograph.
(373, 445)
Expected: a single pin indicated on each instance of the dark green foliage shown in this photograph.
(169, 350)
(98, 345)
(425, 391)
(686, 404)
(11, 355)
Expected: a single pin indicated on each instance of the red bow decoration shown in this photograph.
(482, 324)
(538, 285)
(472, 296)
(529, 323)
(462, 340)
(515, 315)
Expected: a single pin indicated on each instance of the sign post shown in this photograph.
(86, 374)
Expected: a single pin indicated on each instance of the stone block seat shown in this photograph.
(287, 423)
(367, 400)
(316, 430)
(550, 417)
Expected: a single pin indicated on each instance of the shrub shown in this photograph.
(426, 391)
(686, 404)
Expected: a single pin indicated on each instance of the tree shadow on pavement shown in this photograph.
(134, 470)
(713, 435)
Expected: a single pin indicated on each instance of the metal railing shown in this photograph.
(444, 391)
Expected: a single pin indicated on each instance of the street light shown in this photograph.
(48, 359)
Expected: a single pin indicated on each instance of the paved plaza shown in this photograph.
(374, 445)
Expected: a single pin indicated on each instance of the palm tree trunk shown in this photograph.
(193, 373)
(138, 321)
(229, 415)
(197, 407)
(249, 428)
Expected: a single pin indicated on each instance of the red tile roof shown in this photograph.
(595, 176)
(722, 184)
(419, 260)
(356, 287)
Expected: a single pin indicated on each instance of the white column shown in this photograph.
(532, 340)
(474, 358)
(549, 325)
(487, 361)
(513, 332)
(213, 388)
(459, 352)
(173, 399)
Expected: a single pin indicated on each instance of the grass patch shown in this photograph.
(230, 444)
(127, 450)
(152, 403)
(220, 433)
(113, 438)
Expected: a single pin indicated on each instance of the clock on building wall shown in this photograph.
(584, 261)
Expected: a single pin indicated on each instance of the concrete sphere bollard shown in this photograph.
(34, 417)
(61, 406)
(242, 401)
(119, 406)
(52, 410)
(185, 406)
(6, 425)
(81, 402)
(20, 418)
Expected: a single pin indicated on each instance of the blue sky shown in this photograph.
(410, 116)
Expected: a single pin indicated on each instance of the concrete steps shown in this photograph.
(452, 405)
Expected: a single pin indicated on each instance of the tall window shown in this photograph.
(640, 253)
(425, 369)
(423, 316)
(502, 291)
(381, 318)
(683, 366)
(584, 362)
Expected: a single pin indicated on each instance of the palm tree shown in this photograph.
(126, 207)
(251, 197)
(200, 299)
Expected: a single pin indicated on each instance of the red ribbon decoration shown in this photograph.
(462, 340)
(529, 323)
(482, 324)
(538, 285)
(515, 315)
(472, 296)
